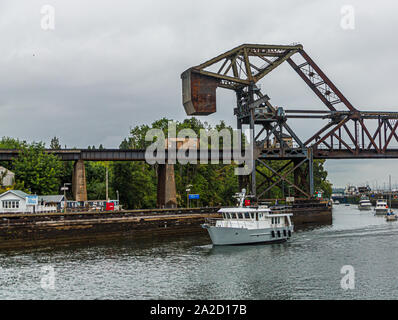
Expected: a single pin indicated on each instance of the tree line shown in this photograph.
(37, 172)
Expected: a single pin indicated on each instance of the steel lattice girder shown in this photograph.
(238, 68)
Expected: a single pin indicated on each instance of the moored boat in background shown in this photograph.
(381, 208)
(364, 204)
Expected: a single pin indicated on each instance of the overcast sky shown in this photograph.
(110, 65)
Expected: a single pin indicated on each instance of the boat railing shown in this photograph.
(212, 221)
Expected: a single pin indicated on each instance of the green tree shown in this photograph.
(54, 144)
(40, 172)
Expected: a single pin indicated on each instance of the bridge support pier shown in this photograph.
(167, 197)
(79, 187)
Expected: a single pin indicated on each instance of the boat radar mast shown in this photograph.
(240, 196)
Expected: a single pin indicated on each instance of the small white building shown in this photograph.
(13, 201)
(52, 202)
(16, 201)
(7, 177)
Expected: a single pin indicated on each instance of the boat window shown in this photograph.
(240, 215)
(247, 215)
(232, 215)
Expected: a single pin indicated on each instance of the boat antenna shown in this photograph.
(240, 196)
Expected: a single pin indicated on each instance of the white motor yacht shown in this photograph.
(381, 207)
(249, 225)
(364, 204)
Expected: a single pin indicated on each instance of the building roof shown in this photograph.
(2, 169)
(52, 198)
(18, 193)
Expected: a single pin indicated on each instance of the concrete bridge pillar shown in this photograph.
(79, 187)
(167, 197)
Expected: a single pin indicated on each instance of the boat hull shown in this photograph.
(240, 236)
(365, 208)
(381, 212)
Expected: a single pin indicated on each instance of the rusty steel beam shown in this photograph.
(390, 136)
(310, 84)
(339, 125)
(283, 177)
(327, 80)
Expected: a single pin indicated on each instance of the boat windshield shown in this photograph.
(240, 215)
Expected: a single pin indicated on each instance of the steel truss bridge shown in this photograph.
(348, 133)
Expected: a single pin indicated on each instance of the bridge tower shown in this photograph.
(345, 135)
(79, 186)
(166, 189)
(236, 70)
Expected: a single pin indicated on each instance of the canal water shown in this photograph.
(309, 266)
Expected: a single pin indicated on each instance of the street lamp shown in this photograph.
(188, 190)
(64, 188)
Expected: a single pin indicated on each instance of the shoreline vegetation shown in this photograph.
(39, 173)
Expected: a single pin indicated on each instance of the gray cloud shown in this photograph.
(108, 66)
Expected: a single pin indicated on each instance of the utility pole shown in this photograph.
(106, 183)
(64, 188)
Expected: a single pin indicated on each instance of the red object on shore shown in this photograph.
(247, 203)
(110, 206)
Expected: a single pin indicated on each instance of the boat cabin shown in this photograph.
(252, 218)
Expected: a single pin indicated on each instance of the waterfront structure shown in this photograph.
(101, 205)
(92, 205)
(351, 191)
(7, 177)
(184, 143)
(287, 141)
(17, 201)
(13, 201)
(365, 189)
(51, 201)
